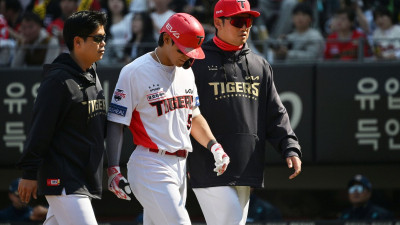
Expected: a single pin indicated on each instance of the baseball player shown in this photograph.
(63, 155)
(242, 106)
(156, 97)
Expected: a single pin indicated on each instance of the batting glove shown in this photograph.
(221, 159)
(118, 184)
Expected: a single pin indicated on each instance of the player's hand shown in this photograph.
(294, 162)
(26, 189)
(221, 159)
(118, 184)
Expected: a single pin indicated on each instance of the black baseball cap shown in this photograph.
(360, 179)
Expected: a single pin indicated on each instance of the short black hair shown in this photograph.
(13, 5)
(303, 8)
(30, 16)
(82, 24)
(383, 11)
(161, 40)
(351, 15)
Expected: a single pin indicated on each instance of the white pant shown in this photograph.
(159, 184)
(227, 205)
(69, 210)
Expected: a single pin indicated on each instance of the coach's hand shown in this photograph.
(221, 159)
(295, 163)
(118, 184)
(26, 189)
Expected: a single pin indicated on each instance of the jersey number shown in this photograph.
(189, 122)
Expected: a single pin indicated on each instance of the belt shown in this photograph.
(180, 153)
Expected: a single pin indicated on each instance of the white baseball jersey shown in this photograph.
(156, 102)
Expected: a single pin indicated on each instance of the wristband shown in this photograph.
(211, 143)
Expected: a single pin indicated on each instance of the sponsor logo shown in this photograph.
(155, 96)
(154, 88)
(197, 101)
(212, 67)
(117, 109)
(171, 29)
(219, 11)
(252, 78)
(53, 182)
(119, 95)
(188, 91)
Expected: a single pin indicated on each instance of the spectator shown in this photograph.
(18, 211)
(386, 37)
(344, 43)
(37, 46)
(13, 15)
(277, 16)
(305, 43)
(160, 15)
(360, 190)
(142, 40)
(56, 27)
(118, 30)
(6, 44)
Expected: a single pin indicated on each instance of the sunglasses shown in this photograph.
(240, 21)
(356, 188)
(98, 38)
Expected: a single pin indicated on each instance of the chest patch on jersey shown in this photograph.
(117, 109)
(155, 96)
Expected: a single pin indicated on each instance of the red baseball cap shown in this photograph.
(228, 8)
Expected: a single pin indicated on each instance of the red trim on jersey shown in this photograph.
(140, 136)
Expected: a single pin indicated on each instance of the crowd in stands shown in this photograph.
(286, 31)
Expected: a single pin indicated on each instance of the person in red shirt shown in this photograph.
(56, 27)
(344, 42)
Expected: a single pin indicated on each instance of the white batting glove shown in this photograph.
(221, 159)
(118, 184)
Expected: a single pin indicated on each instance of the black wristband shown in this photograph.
(211, 143)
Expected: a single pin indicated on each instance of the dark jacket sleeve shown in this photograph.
(48, 109)
(279, 132)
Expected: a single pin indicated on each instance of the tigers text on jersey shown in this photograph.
(156, 102)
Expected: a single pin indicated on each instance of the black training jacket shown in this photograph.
(65, 145)
(240, 103)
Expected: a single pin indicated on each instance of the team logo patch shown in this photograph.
(197, 101)
(119, 95)
(117, 109)
(53, 182)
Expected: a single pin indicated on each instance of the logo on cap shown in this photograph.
(241, 2)
(170, 29)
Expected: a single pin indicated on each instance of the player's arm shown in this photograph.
(202, 133)
(116, 182)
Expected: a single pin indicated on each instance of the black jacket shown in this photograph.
(65, 145)
(240, 103)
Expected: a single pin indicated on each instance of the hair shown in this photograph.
(161, 39)
(147, 25)
(349, 13)
(82, 24)
(13, 5)
(383, 11)
(303, 8)
(32, 17)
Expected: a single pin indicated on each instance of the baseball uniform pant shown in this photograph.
(158, 182)
(69, 209)
(226, 205)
